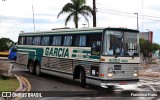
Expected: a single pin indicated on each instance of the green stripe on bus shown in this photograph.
(85, 51)
(74, 55)
(91, 57)
(37, 52)
(74, 51)
(85, 56)
(94, 57)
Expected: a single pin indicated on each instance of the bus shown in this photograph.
(98, 56)
(13, 52)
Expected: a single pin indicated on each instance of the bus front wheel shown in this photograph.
(31, 67)
(38, 69)
(82, 78)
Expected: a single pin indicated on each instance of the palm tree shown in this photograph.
(76, 8)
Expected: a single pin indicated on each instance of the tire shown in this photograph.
(31, 67)
(38, 69)
(82, 78)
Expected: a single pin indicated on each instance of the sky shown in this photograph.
(17, 16)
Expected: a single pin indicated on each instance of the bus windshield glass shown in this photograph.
(120, 43)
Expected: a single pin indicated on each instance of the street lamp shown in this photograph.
(137, 21)
(84, 25)
(149, 35)
(33, 18)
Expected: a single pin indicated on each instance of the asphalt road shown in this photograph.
(69, 89)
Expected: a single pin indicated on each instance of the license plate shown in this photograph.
(118, 72)
(123, 83)
(117, 67)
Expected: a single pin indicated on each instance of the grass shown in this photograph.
(9, 84)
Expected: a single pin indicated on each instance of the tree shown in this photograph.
(76, 8)
(147, 48)
(5, 44)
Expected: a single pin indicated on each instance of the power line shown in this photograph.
(120, 14)
(123, 13)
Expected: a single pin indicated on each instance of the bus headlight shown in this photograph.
(110, 74)
(135, 74)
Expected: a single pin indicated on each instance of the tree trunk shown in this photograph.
(76, 20)
(76, 24)
(94, 13)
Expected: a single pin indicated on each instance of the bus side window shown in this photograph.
(96, 47)
(56, 40)
(29, 40)
(67, 41)
(45, 41)
(80, 40)
(36, 41)
(21, 40)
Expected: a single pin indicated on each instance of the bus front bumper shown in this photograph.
(118, 82)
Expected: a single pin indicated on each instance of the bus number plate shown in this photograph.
(118, 72)
(117, 67)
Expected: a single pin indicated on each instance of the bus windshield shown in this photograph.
(120, 43)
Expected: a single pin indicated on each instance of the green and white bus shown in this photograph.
(99, 56)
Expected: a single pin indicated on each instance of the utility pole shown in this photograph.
(137, 21)
(94, 13)
(33, 18)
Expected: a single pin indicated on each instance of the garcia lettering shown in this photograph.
(58, 52)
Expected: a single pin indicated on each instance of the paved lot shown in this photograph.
(53, 83)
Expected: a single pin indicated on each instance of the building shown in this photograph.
(147, 36)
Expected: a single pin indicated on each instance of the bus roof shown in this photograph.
(93, 30)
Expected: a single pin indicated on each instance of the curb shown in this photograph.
(20, 87)
(25, 86)
(4, 58)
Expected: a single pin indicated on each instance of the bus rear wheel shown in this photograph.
(38, 69)
(31, 67)
(82, 78)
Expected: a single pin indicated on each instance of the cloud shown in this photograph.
(17, 15)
